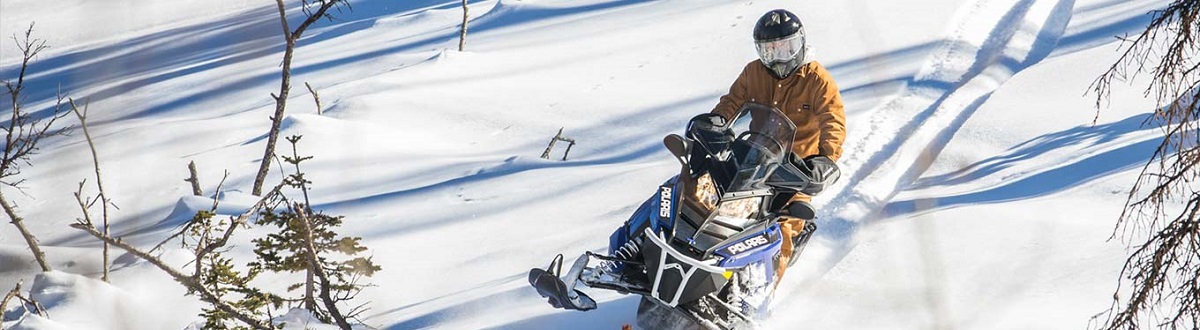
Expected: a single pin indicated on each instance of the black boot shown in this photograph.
(801, 240)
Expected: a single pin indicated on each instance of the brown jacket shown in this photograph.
(810, 98)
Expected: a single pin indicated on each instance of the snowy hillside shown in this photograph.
(976, 193)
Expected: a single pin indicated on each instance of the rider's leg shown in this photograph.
(792, 228)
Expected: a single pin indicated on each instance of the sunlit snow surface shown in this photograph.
(976, 194)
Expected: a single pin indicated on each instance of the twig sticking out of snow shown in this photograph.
(16, 294)
(558, 137)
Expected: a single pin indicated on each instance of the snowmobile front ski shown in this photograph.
(558, 293)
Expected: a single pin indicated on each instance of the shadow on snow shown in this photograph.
(1050, 181)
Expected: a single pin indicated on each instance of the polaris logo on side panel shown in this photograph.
(743, 246)
(664, 203)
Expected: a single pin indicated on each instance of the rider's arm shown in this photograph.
(831, 113)
(738, 94)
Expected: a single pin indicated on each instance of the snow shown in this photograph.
(976, 192)
(79, 302)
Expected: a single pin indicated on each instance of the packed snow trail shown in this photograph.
(990, 42)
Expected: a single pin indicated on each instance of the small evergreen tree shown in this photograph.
(304, 243)
(218, 274)
(213, 279)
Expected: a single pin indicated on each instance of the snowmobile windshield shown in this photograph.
(761, 120)
(763, 136)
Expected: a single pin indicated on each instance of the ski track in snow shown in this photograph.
(989, 44)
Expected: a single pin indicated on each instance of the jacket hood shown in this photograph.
(809, 56)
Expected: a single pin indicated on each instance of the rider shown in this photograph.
(786, 77)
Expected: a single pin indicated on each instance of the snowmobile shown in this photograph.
(703, 251)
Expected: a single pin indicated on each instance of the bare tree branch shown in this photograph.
(104, 201)
(316, 97)
(189, 224)
(330, 304)
(194, 179)
(16, 294)
(22, 136)
(241, 220)
(187, 281)
(192, 282)
(462, 32)
(1162, 272)
(290, 37)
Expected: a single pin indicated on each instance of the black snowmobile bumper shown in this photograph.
(557, 292)
(652, 314)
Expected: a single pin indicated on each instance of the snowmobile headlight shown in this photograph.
(706, 192)
(740, 208)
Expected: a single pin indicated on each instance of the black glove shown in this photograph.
(822, 173)
(824, 170)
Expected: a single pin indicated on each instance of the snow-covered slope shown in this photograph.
(976, 192)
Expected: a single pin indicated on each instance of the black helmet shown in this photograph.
(779, 38)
